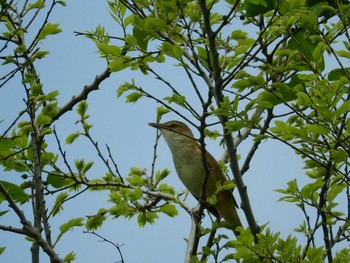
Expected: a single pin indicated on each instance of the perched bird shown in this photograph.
(187, 157)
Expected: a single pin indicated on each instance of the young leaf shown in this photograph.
(161, 110)
(58, 203)
(133, 97)
(95, 221)
(71, 256)
(72, 137)
(160, 175)
(49, 29)
(82, 108)
(169, 210)
(70, 224)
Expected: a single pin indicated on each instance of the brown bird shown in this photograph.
(187, 157)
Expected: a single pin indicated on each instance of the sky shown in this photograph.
(73, 63)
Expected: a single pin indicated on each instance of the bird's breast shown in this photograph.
(189, 167)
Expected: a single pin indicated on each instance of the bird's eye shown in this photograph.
(173, 125)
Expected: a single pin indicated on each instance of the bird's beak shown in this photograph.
(155, 125)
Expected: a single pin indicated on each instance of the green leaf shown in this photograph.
(167, 49)
(108, 50)
(87, 167)
(61, 2)
(50, 109)
(167, 189)
(2, 249)
(125, 87)
(291, 189)
(5, 145)
(135, 180)
(48, 158)
(338, 155)
(134, 97)
(118, 64)
(57, 181)
(318, 52)
(71, 256)
(343, 109)
(337, 73)
(343, 53)
(289, 132)
(161, 110)
(268, 100)
(82, 108)
(258, 7)
(49, 29)
(176, 98)
(287, 7)
(239, 34)
(334, 191)
(51, 95)
(43, 119)
(3, 213)
(144, 218)
(235, 125)
(342, 255)
(318, 129)
(94, 222)
(203, 54)
(36, 5)
(17, 165)
(72, 137)
(154, 24)
(15, 192)
(227, 185)
(160, 175)
(58, 203)
(40, 55)
(241, 84)
(314, 254)
(71, 224)
(169, 210)
(304, 99)
(142, 37)
(309, 191)
(178, 52)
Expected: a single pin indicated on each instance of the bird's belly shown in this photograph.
(190, 171)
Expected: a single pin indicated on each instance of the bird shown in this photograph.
(187, 157)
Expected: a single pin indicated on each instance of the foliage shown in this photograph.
(260, 70)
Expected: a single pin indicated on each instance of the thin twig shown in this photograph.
(117, 246)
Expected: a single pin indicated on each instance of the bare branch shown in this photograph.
(117, 246)
(28, 229)
(83, 95)
(216, 90)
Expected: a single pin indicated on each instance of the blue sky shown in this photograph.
(73, 63)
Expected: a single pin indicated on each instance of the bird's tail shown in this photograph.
(226, 207)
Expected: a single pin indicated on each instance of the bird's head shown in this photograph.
(174, 132)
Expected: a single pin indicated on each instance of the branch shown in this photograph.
(28, 229)
(14, 207)
(99, 154)
(193, 240)
(13, 229)
(256, 144)
(242, 136)
(108, 241)
(83, 95)
(216, 90)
